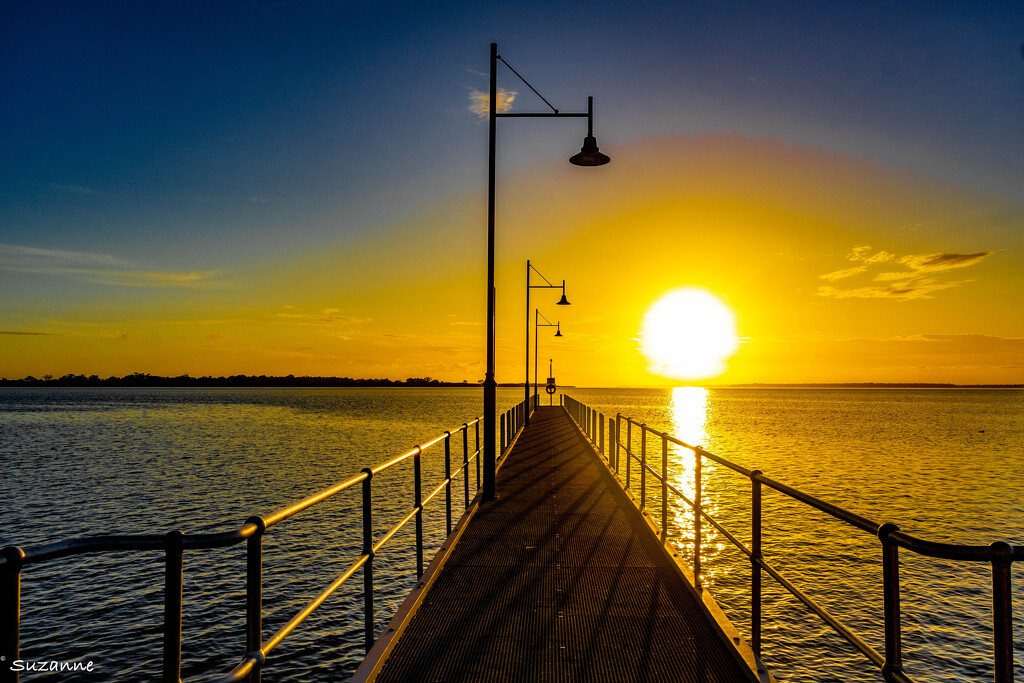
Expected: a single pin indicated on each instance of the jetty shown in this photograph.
(557, 579)
(569, 572)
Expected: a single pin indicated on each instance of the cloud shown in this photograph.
(31, 334)
(125, 278)
(840, 274)
(480, 102)
(861, 254)
(17, 257)
(933, 262)
(900, 290)
(914, 283)
(73, 189)
(103, 269)
(327, 316)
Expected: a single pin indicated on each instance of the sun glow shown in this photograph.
(688, 333)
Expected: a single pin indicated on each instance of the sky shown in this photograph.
(300, 188)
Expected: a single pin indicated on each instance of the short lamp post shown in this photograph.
(561, 302)
(589, 155)
(537, 315)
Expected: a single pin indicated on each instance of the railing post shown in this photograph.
(891, 601)
(465, 460)
(696, 516)
(1002, 612)
(755, 561)
(643, 467)
(612, 441)
(502, 432)
(10, 611)
(368, 567)
(254, 595)
(618, 444)
(629, 449)
(600, 421)
(418, 503)
(173, 561)
(664, 488)
(448, 478)
(477, 452)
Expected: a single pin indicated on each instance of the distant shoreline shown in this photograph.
(291, 381)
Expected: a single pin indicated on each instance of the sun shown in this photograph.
(689, 333)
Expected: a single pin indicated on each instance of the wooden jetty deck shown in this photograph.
(559, 579)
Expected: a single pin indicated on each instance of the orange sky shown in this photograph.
(837, 269)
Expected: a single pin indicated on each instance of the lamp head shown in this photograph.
(558, 330)
(563, 301)
(589, 154)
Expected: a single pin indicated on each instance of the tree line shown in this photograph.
(140, 379)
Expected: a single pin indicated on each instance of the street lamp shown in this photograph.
(561, 302)
(537, 315)
(589, 155)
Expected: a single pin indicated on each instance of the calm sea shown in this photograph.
(943, 464)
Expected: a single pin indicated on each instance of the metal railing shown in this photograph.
(513, 420)
(173, 544)
(1000, 555)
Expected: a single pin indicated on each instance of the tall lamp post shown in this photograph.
(561, 302)
(589, 155)
(537, 315)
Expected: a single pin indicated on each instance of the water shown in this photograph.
(944, 464)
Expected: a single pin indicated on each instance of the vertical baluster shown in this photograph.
(664, 488)
(643, 467)
(173, 561)
(629, 449)
(891, 600)
(1002, 612)
(600, 421)
(254, 595)
(477, 452)
(755, 559)
(10, 610)
(418, 504)
(618, 444)
(502, 449)
(696, 516)
(448, 478)
(368, 567)
(465, 460)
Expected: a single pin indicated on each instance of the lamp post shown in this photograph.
(589, 155)
(561, 302)
(537, 315)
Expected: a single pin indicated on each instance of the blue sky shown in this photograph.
(194, 137)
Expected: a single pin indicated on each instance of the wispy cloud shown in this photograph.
(73, 189)
(917, 282)
(901, 290)
(326, 316)
(840, 274)
(480, 102)
(94, 267)
(933, 262)
(31, 334)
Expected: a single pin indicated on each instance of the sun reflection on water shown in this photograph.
(689, 409)
(690, 414)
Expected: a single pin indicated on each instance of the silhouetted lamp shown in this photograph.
(537, 324)
(561, 302)
(589, 155)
